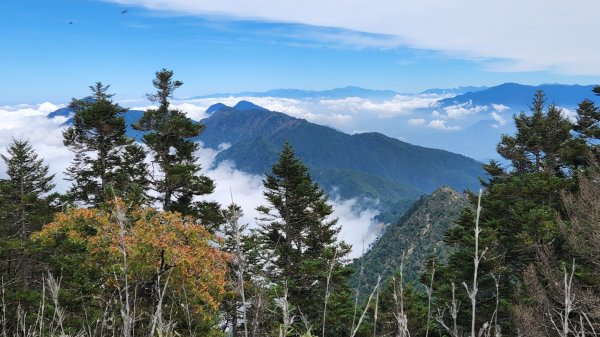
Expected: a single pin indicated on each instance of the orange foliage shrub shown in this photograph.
(143, 245)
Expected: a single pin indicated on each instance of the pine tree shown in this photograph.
(168, 135)
(588, 121)
(25, 205)
(132, 175)
(302, 240)
(588, 132)
(98, 139)
(540, 138)
(519, 211)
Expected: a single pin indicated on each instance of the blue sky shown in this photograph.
(254, 45)
(214, 46)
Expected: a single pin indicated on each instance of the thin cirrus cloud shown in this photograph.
(506, 35)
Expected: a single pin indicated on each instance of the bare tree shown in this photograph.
(477, 257)
(400, 315)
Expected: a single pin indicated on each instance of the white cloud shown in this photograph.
(45, 136)
(194, 111)
(357, 223)
(400, 105)
(569, 114)
(509, 35)
(461, 110)
(416, 121)
(500, 121)
(441, 125)
(500, 107)
(346, 113)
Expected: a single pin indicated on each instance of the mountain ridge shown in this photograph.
(320, 146)
(417, 234)
(518, 96)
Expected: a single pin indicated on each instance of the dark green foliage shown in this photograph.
(540, 139)
(588, 123)
(246, 269)
(588, 132)
(459, 268)
(418, 234)
(103, 152)
(26, 204)
(302, 241)
(410, 300)
(367, 165)
(321, 147)
(519, 216)
(168, 135)
(132, 175)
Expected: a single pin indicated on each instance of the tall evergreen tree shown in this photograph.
(303, 243)
(588, 121)
(588, 131)
(25, 205)
(98, 139)
(539, 141)
(168, 135)
(132, 178)
(518, 217)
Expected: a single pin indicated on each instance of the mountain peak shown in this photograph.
(216, 107)
(245, 105)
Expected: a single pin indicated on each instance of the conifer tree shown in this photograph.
(588, 121)
(132, 175)
(98, 139)
(25, 205)
(540, 138)
(169, 134)
(519, 208)
(302, 239)
(588, 132)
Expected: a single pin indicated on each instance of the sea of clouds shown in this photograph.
(358, 226)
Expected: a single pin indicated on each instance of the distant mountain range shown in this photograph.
(368, 165)
(257, 136)
(452, 91)
(518, 96)
(371, 165)
(337, 93)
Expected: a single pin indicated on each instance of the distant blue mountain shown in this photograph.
(216, 107)
(453, 91)
(518, 95)
(245, 106)
(256, 136)
(337, 93)
(62, 112)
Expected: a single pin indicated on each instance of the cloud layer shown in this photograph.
(45, 135)
(508, 35)
(30, 122)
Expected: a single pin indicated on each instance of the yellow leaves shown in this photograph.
(154, 243)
